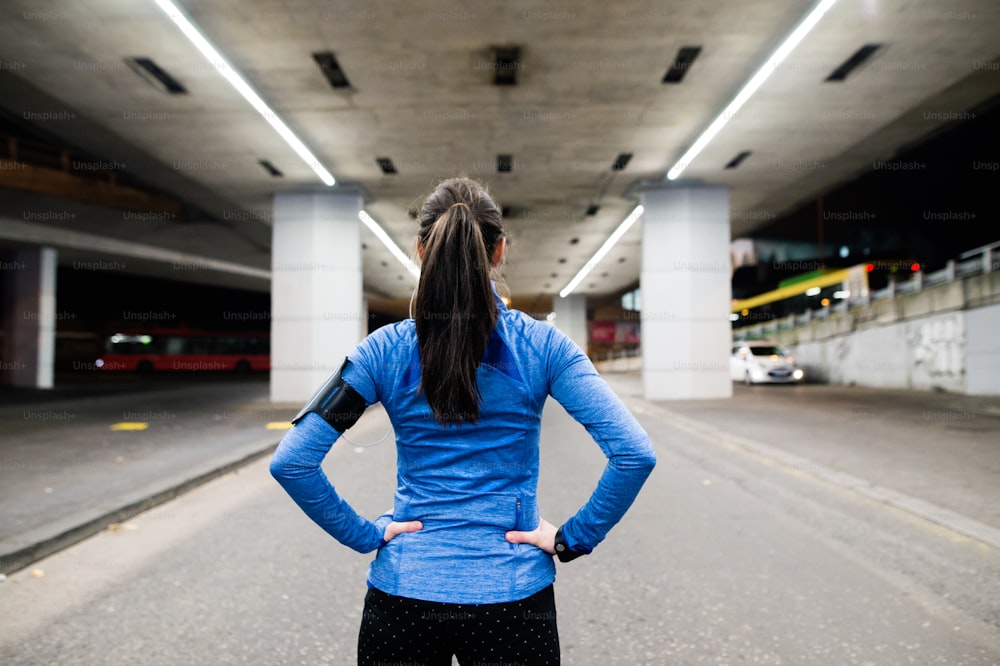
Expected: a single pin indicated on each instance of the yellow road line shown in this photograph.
(129, 425)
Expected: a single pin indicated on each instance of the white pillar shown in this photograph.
(686, 293)
(29, 317)
(571, 318)
(317, 303)
(365, 316)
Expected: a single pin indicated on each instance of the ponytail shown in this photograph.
(455, 308)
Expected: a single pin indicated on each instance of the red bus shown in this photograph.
(186, 351)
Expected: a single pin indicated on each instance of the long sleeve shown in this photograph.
(575, 383)
(296, 466)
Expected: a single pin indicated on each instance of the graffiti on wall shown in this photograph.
(938, 352)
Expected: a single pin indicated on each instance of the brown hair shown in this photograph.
(460, 227)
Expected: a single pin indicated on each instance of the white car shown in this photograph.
(760, 362)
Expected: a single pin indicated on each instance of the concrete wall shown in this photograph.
(925, 353)
(943, 338)
(982, 351)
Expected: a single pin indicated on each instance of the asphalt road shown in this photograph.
(728, 557)
(941, 447)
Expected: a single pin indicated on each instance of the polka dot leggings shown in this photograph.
(397, 631)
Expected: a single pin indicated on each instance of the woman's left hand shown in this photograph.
(394, 529)
(543, 536)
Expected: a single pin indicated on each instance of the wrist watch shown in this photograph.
(563, 551)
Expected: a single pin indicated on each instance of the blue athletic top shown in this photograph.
(471, 483)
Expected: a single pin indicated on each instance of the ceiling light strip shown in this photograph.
(392, 247)
(608, 244)
(751, 86)
(231, 75)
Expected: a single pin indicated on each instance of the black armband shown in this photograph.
(563, 551)
(339, 404)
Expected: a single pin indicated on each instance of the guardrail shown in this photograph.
(623, 360)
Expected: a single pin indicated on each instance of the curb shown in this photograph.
(25, 556)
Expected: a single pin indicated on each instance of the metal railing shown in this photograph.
(980, 260)
(622, 360)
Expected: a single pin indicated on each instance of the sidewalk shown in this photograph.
(66, 473)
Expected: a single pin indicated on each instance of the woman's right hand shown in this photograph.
(394, 529)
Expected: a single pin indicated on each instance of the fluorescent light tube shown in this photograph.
(608, 244)
(231, 75)
(751, 86)
(384, 237)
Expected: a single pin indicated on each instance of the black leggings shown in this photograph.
(397, 631)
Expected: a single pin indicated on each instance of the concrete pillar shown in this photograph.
(686, 293)
(365, 316)
(571, 318)
(29, 318)
(317, 304)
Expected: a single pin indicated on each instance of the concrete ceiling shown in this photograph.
(589, 87)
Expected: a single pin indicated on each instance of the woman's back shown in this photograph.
(468, 483)
(464, 382)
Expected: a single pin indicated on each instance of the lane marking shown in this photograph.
(129, 425)
(279, 425)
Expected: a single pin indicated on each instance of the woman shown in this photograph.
(465, 562)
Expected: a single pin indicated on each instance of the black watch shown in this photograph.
(563, 551)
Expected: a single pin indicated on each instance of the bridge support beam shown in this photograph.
(29, 318)
(317, 304)
(571, 318)
(686, 293)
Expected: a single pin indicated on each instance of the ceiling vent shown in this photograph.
(855, 61)
(270, 168)
(506, 63)
(385, 163)
(621, 162)
(154, 74)
(738, 160)
(686, 56)
(505, 163)
(331, 69)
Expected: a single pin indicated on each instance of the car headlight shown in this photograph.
(798, 374)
